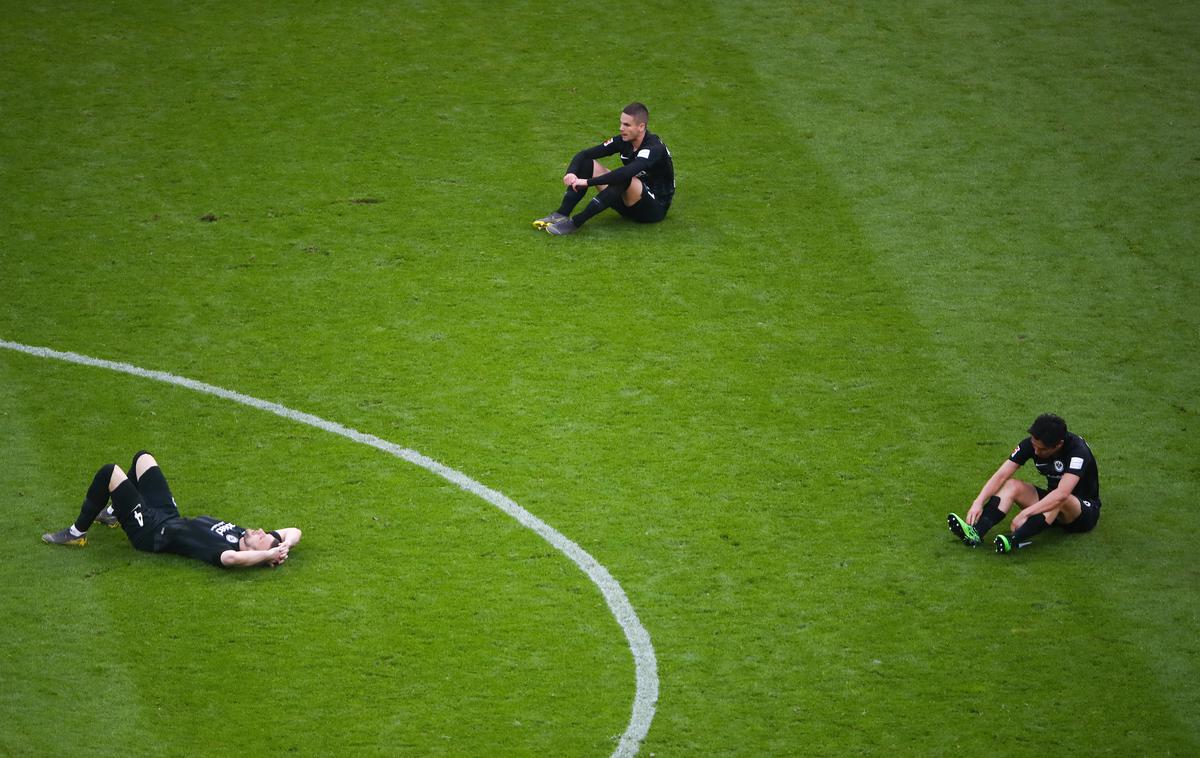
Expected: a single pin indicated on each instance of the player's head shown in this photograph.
(633, 122)
(639, 112)
(257, 539)
(1048, 432)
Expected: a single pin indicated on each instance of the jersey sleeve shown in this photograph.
(645, 157)
(609, 146)
(1023, 452)
(1079, 457)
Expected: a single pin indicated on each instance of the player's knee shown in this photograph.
(632, 194)
(116, 477)
(1011, 488)
(143, 461)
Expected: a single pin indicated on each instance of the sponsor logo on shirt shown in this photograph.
(643, 153)
(1076, 463)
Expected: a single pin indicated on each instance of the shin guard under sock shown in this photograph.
(605, 199)
(991, 516)
(1032, 526)
(583, 168)
(97, 498)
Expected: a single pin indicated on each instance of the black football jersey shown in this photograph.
(203, 538)
(651, 163)
(1074, 457)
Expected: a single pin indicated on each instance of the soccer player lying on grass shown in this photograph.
(1070, 501)
(641, 189)
(144, 508)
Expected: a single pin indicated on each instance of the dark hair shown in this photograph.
(640, 113)
(1048, 429)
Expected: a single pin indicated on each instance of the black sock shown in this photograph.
(581, 167)
(570, 199)
(97, 498)
(991, 516)
(605, 199)
(1032, 526)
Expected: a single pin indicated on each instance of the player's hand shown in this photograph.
(569, 180)
(580, 183)
(974, 513)
(1018, 520)
(278, 555)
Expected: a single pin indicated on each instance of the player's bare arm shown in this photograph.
(990, 488)
(241, 558)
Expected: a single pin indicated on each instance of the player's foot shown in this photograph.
(64, 537)
(108, 518)
(565, 226)
(545, 221)
(1005, 543)
(963, 530)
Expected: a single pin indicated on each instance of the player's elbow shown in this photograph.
(230, 558)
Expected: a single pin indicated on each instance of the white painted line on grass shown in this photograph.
(645, 663)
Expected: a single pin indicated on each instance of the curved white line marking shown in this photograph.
(645, 662)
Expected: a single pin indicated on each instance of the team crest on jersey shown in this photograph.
(232, 540)
(1058, 466)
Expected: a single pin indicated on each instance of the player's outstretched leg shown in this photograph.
(964, 531)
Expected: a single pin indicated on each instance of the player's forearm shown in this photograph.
(992, 486)
(235, 558)
(289, 536)
(592, 153)
(620, 175)
(997, 480)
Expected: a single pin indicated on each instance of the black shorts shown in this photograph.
(1089, 515)
(649, 210)
(144, 507)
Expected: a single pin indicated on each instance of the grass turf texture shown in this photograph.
(901, 233)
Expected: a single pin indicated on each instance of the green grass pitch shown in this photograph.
(902, 230)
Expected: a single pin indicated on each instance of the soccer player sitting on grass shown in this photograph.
(641, 189)
(1071, 500)
(144, 508)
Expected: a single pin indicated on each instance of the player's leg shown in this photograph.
(152, 484)
(1024, 495)
(611, 196)
(633, 193)
(599, 169)
(639, 204)
(582, 167)
(107, 478)
(1089, 516)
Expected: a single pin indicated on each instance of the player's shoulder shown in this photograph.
(1024, 446)
(653, 140)
(1077, 445)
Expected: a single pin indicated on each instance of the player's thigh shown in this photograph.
(1022, 493)
(1089, 515)
(633, 193)
(599, 168)
(156, 493)
(648, 210)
